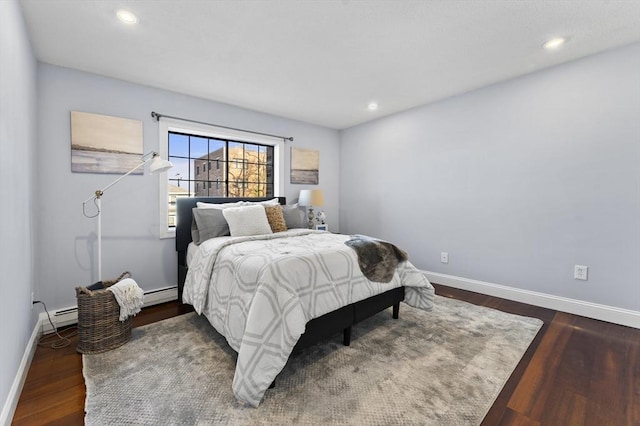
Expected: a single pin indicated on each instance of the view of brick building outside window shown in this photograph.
(248, 174)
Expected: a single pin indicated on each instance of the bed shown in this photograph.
(257, 291)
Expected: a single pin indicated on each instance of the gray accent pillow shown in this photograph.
(293, 216)
(208, 223)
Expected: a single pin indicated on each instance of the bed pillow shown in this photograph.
(275, 218)
(220, 206)
(208, 223)
(293, 216)
(272, 202)
(203, 205)
(247, 220)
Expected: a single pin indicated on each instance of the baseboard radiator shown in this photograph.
(69, 316)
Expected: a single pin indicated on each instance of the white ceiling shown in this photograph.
(322, 62)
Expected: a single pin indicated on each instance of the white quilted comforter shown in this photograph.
(260, 291)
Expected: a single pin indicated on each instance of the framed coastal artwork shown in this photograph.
(105, 144)
(305, 164)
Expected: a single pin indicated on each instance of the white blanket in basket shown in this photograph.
(129, 296)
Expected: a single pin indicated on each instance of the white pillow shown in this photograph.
(202, 205)
(247, 220)
(272, 202)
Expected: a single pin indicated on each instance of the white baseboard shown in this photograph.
(68, 316)
(607, 313)
(11, 403)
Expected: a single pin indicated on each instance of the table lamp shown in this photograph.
(309, 198)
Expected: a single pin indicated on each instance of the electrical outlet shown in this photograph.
(581, 272)
(444, 257)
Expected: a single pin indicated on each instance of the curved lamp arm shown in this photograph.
(157, 165)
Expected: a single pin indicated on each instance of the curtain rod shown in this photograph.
(158, 116)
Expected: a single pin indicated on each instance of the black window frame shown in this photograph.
(221, 179)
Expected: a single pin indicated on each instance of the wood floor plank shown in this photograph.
(566, 408)
(612, 374)
(577, 371)
(51, 408)
(40, 389)
(536, 385)
(513, 418)
(632, 390)
(500, 407)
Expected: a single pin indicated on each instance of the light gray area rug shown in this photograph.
(444, 367)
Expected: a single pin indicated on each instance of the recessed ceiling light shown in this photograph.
(554, 43)
(372, 106)
(127, 17)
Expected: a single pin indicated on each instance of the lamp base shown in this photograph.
(310, 216)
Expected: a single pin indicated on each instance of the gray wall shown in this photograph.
(517, 182)
(66, 238)
(17, 191)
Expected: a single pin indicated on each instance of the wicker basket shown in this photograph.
(99, 325)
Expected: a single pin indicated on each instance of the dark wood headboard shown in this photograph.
(184, 216)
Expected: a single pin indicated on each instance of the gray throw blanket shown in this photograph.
(377, 259)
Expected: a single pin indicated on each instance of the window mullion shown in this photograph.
(226, 167)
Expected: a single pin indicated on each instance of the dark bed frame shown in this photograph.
(317, 329)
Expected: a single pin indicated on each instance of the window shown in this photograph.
(216, 162)
(248, 165)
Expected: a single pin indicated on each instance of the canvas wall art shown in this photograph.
(105, 144)
(305, 165)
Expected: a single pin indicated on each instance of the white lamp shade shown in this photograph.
(311, 197)
(159, 165)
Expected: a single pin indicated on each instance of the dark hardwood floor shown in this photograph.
(577, 371)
